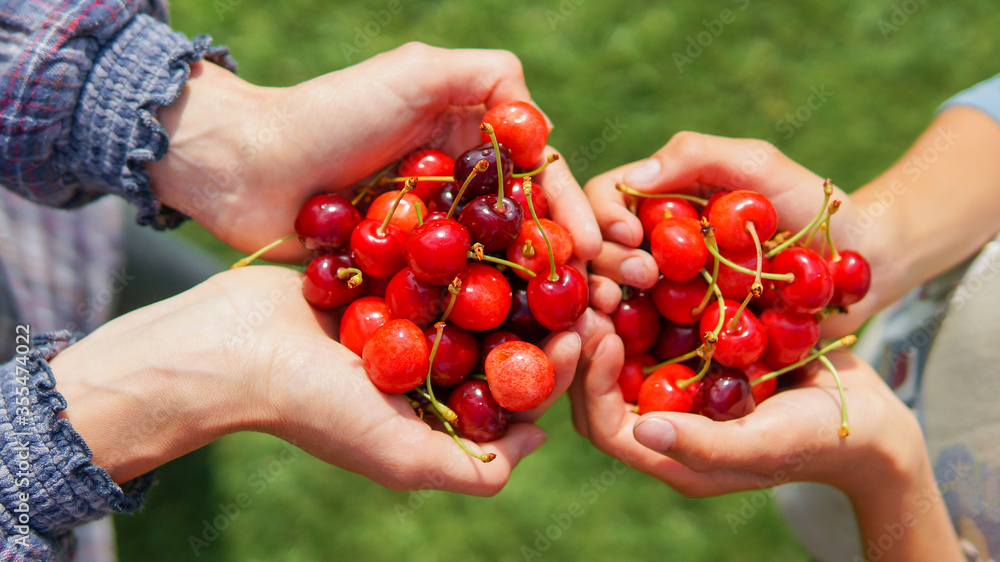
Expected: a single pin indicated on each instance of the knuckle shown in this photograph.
(687, 144)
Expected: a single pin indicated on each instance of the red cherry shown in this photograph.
(520, 320)
(654, 209)
(799, 375)
(484, 299)
(531, 241)
(631, 377)
(731, 213)
(711, 203)
(325, 222)
(480, 418)
(678, 248)
(677, 301)
(485, 182)
(396, 357)
(761, 391)
(738, 346)
(405, 215)
(494, 228)
(812, 288)
(414, 299)
(378, 255)
(735, 284)
(515, 190)
(725, 394)
(852, 276)
(661, 391)
(360, 320)
(443, 198)
(520, 375)
(637, 322)
(426, 162)
(520, 127)
(675, 340)
(456, 354)
(375, 286)
(327, 282)
(790, 336)
(437, 250)
(489, 341)
(557, 304)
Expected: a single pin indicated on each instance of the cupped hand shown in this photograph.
(244, 351)
(702, 164)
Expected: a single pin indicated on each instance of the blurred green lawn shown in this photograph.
(873, 71)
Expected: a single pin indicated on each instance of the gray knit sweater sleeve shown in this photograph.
(47, 482)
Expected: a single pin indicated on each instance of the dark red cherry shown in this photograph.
(557, 304)
(678, 248)
(761, 391)
(443, 198)
(675, 340)
(654, 209)
(455, 357)
(485, 182)
(522, 128)
(396, 356)
(661, 392)
(515, 190)
(495, 228)
(437, 251)
(480, 418)
(677, 301)
(378, 254)
(484, 299)
(725, 394)
(328, 280)
(790, 336)
(325, 222)
(737, 346)
(631, 377)
(731, 213)
(360, 320)
(426, 162)
(520, 320)
(812, 287)
(412, 298)
(636, 321)
(852, 276)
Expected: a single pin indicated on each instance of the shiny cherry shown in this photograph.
(480, 418)
(725, 394)
(489, 341)
(360, 320)
(483, 300)
(677, 301)
(405, 215)
(557, 304)
(631, 377)
(515, 190)
(737, 346)
(852, 277)
(328, 280)
(732, 211)
(678, 248)
(456, 354)
(443, 198)
(520, 127)
(412, 298)
(485, 182)
(325, 222)
(812, 287)
(426, 162)
(654, 209)
(494, 226)
(636, 321)
(735, 284)
(378, 252)
(761, 391)
(437, 251)
(675, 340)
(530, 250)
(396, 356)
(790, 336)
(661, 392)
(520, 375)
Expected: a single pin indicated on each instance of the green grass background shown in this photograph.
(885, 65)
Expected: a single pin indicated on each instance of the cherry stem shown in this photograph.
(478, 376)
(834, 254)
(830, 210)
(488, 129)
(843, 431)
(845, 341)
(553, 276)
(693, 198)
(528, 249)
(722, 308)
(446, 412)
(689, 355)
(710, 239)
(480, 167)
(420, 215)
(352, 275)
(423, 178)
(249, 259)
(548, 160)
(701, 374)
(786, 277)
(479, 256)
(367, 187)
(410, 183)
(485, 457)
(827, 193)
(453, 290)
(735, 322)
(757, 288)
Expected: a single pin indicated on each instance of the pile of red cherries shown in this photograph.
(737, 304)
(448, 272)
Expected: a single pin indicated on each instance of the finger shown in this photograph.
(605, 294)
(569, 207)
(626, 266)
(563, 350)
(468, 76)
(617, 223)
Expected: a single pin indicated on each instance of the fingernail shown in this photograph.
(656, 433)
(531, 445)
(621, 233)
(643, 172)
(635, 272)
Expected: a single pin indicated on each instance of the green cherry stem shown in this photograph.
(478, 255)
(445, 412)
(488, 129)
(453, 290)
(629, 191)
(709, 240)
(689, 355)
(480, 167)
(830, 211)
(845, 341)
(352, 275)
(550, 159)
(410, 183)
(786, 277)
(553, 276)
(844, 431)
(423, 178)
(249, 259)
(485, 457)
(827, 193)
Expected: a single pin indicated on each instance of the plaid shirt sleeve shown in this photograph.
(81, 83)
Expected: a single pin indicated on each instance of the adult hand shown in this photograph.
(243, 159)
(244, 351)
